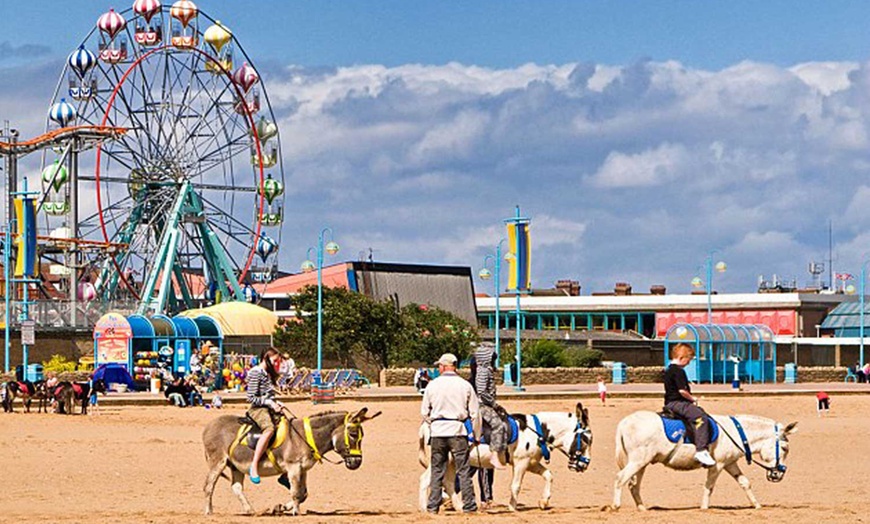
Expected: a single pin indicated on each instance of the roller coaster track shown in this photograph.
(58, 137)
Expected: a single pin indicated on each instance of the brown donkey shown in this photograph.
(299, 444)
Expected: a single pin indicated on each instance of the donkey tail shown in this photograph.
(422, 437)
(621, 453)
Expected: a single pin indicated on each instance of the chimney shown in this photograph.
(622, 289)
(569, 287)
(657, 289)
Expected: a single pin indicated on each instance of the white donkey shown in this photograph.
(641, 441)
(538, 434)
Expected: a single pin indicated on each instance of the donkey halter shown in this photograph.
(776, 472)
(356, 449)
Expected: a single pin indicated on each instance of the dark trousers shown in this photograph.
(442, 447)
(695, 416)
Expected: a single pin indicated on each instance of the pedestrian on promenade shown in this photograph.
(448, 401)
(602, 390)
(823, 403)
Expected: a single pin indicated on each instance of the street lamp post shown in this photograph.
(331, 248)
(861, 312)
(486, 275)
(720, 267)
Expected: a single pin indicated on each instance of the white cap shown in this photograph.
(447, 359)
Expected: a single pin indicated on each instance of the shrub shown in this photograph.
(584, 358)
(58, 364)
(544, 354)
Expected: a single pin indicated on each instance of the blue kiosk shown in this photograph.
(726, 352)
(147, 344)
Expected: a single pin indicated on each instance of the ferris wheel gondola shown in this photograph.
(192, 187)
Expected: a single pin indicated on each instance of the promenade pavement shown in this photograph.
(532, 392)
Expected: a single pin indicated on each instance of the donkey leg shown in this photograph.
(623, 478)
(297, 489)
(238, 489)
(712, 476)
(210, 481)
(520, 467)
(634, 487)
(542, 470)
(450, 486)
(734, 470)
(424, 489)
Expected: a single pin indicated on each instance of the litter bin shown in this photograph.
(34, 372)
(323, 393)
(790, 374)
(619, 372)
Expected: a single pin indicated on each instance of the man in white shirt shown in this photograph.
(448, 401)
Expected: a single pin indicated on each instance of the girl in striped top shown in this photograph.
(264, 408)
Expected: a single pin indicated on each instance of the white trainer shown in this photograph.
(704, 458)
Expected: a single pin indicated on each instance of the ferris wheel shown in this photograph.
(188, 204)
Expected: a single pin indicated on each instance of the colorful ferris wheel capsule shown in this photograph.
(55, 174)
(81, 61)
(146, 8)
(62, 112)
(265, 247)
(184, 11)
(217, 36)
(272, 189)
(266, 129)
(111, 23)
(245, 77)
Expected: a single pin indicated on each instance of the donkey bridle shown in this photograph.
(546, 447)
(776, 472)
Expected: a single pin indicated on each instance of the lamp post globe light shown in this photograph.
(720, 267)
(331, 248)
(486, 274)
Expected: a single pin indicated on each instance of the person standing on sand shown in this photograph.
(448, 401)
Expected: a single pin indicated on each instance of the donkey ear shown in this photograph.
(791, 429)
(585, 418)
(578, 410)
(376, 415)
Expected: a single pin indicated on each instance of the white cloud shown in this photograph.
(628, 171)
(651, 167)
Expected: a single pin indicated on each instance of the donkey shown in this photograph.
(538, 434)
(299, 445)
(67, 393)
(27, 390)
(641, 440)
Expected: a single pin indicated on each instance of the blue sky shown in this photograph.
(637, 135)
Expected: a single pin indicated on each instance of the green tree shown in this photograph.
(429, 332)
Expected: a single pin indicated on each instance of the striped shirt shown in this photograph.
(260, 388)
(484, 380)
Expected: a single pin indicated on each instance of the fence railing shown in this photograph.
(59, 313)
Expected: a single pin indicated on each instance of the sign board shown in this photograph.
(112, 335)
(28, 332)
(59, 270)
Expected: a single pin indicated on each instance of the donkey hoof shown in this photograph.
(641, 507)
(543, 503)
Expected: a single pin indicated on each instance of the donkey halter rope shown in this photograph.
(353, 451)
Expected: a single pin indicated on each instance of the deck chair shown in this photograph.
(342, 381)
(359, 380)
(303, 384)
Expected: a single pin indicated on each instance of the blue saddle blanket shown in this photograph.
(675, 430)
(512, 424)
